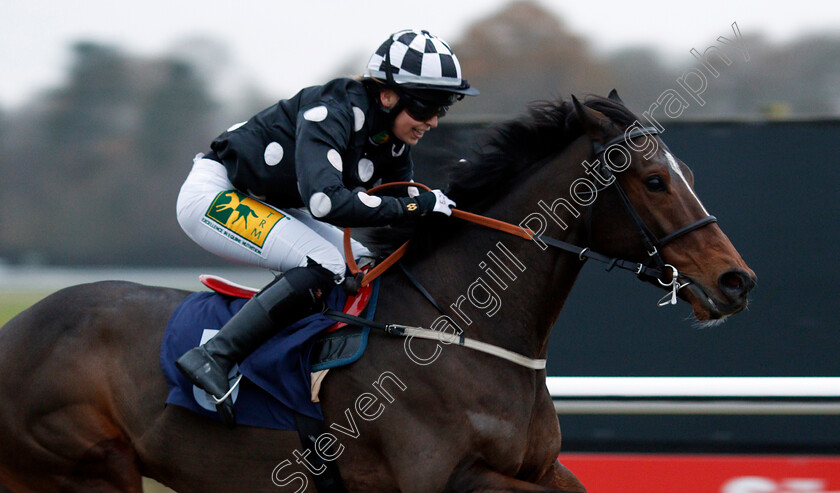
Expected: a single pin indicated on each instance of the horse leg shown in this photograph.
(57, 458)
(546, 429)
(109, 466)
(478, 477)
(560, 477)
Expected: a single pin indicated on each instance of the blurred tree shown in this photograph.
(811, 82)
(178, 111)
(60, 143)
(90, 113)
(525, 53)
(6, 183)
(798, 78)
(639, 76)
(210, 63)
(97, 162)
(522, 54)
(177, 121)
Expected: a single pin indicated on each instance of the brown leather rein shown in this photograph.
(399, 252)
(671, 282)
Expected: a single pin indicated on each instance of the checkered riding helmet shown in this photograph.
(417, 60)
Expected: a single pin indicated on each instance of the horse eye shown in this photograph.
(656, 184)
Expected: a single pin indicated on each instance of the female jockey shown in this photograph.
(272, 190)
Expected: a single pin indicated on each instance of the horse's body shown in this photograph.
(83, 390)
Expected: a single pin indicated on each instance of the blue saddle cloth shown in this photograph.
(276, 379)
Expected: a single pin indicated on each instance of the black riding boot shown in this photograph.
(287, 299)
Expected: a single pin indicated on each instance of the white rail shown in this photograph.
(694, 386)
(695, 395)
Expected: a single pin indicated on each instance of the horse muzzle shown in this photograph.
(729, 297)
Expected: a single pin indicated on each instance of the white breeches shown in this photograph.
(243, 229)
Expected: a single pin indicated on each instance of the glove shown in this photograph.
(435, 201)
(352, 283)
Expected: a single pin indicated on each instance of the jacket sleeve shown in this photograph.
(324, 133)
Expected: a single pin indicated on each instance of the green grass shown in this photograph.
(152, 486)
(13, 303)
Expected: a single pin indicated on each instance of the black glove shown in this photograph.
(432, 201)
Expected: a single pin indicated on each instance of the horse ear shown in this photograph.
(593, 122)
(614, 96)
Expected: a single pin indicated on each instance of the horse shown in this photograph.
(83, 390)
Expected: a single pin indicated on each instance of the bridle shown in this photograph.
(653, 245)
(653, 268)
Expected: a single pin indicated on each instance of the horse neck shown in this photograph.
(529, 289)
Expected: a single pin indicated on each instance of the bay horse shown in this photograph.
(83, 392)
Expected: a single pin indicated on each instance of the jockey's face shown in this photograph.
(406, 128)
(409, 130)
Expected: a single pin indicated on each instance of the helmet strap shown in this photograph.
(383, 121)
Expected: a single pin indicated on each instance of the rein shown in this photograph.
(642, 270)
(400, 252)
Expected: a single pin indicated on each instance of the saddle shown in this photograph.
(328, 350)
(282, 378)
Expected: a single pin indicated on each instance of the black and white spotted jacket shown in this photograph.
(320, 149)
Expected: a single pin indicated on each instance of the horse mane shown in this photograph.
(503, 156)
(513, 147)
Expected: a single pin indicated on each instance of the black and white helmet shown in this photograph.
(413, 59)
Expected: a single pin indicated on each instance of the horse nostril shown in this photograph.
(735, 284)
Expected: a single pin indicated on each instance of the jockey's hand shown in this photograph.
(435, 201)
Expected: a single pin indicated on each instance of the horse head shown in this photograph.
(649, 212)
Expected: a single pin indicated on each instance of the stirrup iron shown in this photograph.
(229, 392)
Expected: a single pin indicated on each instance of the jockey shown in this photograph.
(272, 190)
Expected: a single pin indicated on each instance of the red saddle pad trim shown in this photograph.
(229, 288)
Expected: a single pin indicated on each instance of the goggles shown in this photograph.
(422, 109)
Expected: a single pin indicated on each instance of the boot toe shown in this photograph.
(227, 413)
(204, 372)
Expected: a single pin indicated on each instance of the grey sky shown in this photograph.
(282, 45)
